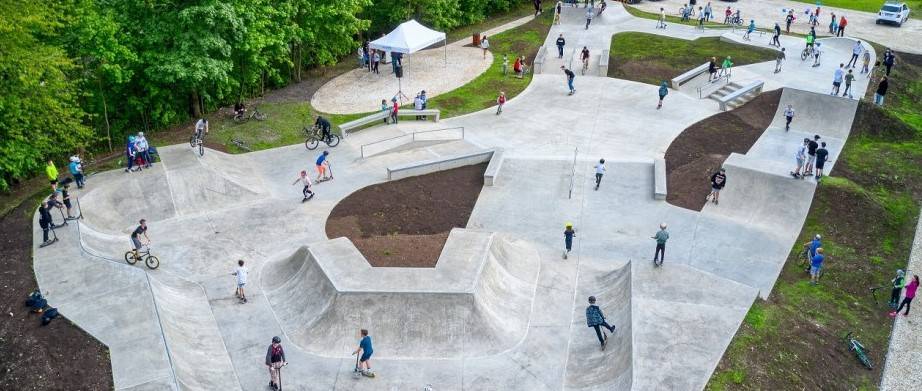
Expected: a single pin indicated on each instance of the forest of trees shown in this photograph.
(83, 73)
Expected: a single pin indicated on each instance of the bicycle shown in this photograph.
(859, 349)
(241, 144)
(151, 261)
(255, 114)
(315, 136)
(198, 140)
(808, 52)
(585, 66)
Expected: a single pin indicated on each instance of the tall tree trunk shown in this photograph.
(105, 113)
(196, 104)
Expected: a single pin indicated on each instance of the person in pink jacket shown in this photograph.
(908, 296)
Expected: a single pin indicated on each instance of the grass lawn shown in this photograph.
(867, 214)
(872, 6)
(650, 58)
(671, 16)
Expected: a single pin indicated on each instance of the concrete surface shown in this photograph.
(904, 357)
(502, 310)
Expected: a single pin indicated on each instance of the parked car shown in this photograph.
(893, 12)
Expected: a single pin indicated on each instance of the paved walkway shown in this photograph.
(431, 70)
(767, 12)
(903, 370)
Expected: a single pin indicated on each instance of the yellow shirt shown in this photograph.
(51, 171)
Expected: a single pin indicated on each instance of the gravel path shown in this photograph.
(360, 91)
(903, 370)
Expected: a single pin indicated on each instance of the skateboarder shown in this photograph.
(661, 237)
(663, 91)
(596, 320)
(907, 298)
(897, 283)
(306, 181)
(822, 156)
(322, 166)
(779, 60)
(275, 360)
(241, 274)
(364, 353)
(599, 171)
(788, 117)
(570, 77)
(800, 156)
(568, 234)
(718, 181)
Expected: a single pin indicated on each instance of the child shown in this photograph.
(505, 65)
(788, 117)
(65, 197)
(599, 171)
(661, 237)
(816, 264)
(866, 61)
(596, 320)
(275, 359)
(500, 101)
(898, 283)
(568, 234)
(322, 165)
(849, 77)
(907, 298)
(663, 90)
(306, 180)
(52, 172)
(364, 352)
(750, 29)
(76, 170)
(241, 274)
(822, 156)
(385, 109)
(718, 181)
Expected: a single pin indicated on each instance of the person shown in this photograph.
(485, 45)
(275, 360)
(833, 26)
(385, 109)
(136, 237)
(64, 189)
(837, 78)
(712, 69)
(907, 298)
(537, 4)
(800, 156)
(76, 170)
(201, 128)
(323, 125)
(780, 60)
(570, 77)
(737, 18)
(788, 117)
(881, 91)
(788, 20)
(842, 23)
(812, 145)
(856, 51)
(750, 29)
(661, 237)
(589, 15)
(718, 181)
(726, 67)
(241, 274)
(599, 171)
(708, 11)
(395, 109)
(364, 351)
(52, 173)
(822, 156)
(897, 284)
(568, 234)
(500, 101)
(143, 149)
(663, 91)
(306, 181)
(701, 18)
(866, 61)
(45, 221)
(240, 108)
(584, 56)
(361, 57)
(661, 22)
(686, 13)
(596, 319)
(727, 15)
(817, 53)
(418, 105)
(560, 44)
(602, 7)
(131, 154)
(505, 65)
(557, 10)
(810, 39)
(816, 264)
(517, 68)
(322, 163)
(849, 77)
(776, 37)
(812, 245)
(889, 60)
(375, 61)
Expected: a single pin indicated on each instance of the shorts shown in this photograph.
(815, 270)
(137, 243)
(837, 83)
(365, 356)
(240, 285)
(811, 159)
(800, 162)
(820, 164)
(53, 181)
(320, 169)
(715, 189)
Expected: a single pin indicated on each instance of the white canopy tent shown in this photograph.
(410, 37)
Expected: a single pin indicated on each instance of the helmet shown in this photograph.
(75, 159)
(326, 153)
(592, 299)
(131, 138)
(662, 225)
(602, 161)
(276, 339)
(818, 237)
(899, 272)
(569, 225)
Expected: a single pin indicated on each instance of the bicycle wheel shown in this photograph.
(152, 262)
(864, 359)
(259, 116)
(238, 118)
(192, 141)
(201, 148)
(334, 140)
(803, 55)
(129, 257)
(311, 143)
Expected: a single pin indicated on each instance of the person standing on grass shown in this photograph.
(568, 234)
(241, 274)
(500, 101)
(52, 173)
(589, 15)
(661, 22)
(275, 360)
(837, 79)
(779, 60)
(907, 298)
(881, 91)
(856, 52)
(842, 23)
(822, 156)
(661, 237)
(866, 61)
(570, 77)
(306, 181)
(537, 4)
(800, 155)
(889, 60)
(897, 284)
(485, 45)
(364, 352)
(505, 65)
(599, 171)
(718, 181)
(849, 77)
(596, 319)
(776, 37)
(663, 91)
(816, 264)
(560, 44)
(788, 117)
(712, 69)
(812, 146)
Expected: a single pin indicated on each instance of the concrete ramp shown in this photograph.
(485, 313)
(116, 200)
(589, 367)
(814, 113)
(197, 186)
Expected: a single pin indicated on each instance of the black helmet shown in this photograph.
(276, 339)
(592, 299)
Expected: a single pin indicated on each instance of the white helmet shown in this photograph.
(662, 225)
(75, 159)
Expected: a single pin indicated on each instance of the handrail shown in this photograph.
(412, 137)
(573, 172)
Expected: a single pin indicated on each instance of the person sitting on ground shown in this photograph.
(323, 125)
(239, 109)
(517, 67)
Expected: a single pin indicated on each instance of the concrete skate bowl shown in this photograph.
(817, 113)
(114, 201)
(589, 367)
(412, 313)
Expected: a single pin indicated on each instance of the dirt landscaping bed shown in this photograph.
(702, 148)
(405, 223)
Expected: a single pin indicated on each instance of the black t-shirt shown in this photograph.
(718, 180)
(811, 148)
(569, 73)
(712, 67)
(138, 231)
(560, 41)
(821, 155)
(45, 215)
(323, 123)
(585, 54)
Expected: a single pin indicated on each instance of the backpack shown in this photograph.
(49, 315)
(36, 302)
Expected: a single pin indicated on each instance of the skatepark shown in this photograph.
(501, 310)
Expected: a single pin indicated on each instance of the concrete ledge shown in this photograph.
(428, 112)
(540, 58)
(603, 63)
(496, 162)
(659, 179)
(441, 164)
(362, 121)
(755, 86)
(687, 76)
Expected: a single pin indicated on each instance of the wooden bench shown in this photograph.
(755, 86)
(687, 76)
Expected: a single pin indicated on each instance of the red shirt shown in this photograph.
(501, 99)
(396, 106)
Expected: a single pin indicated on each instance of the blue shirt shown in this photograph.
(320, 159)
(73, 168)
(817, 260)
(813, 246)
(365, 344)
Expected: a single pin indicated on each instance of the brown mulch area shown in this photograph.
(702, 148)
(59, 356)
(405, 223)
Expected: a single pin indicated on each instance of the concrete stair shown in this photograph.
(729, 89)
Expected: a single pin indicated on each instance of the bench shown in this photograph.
(427, 112)
(687, 76)
(492, 171)
(603, 63)
(354, 124)
(754, 86)
(659, 179)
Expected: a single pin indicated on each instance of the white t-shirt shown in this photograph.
(801, 152)
(200, 125)
(241, 274)
(485, 44)
(600, 168)
(305, 180)
(858, 48)
(789, 112)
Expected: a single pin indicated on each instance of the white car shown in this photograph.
(895, 13)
